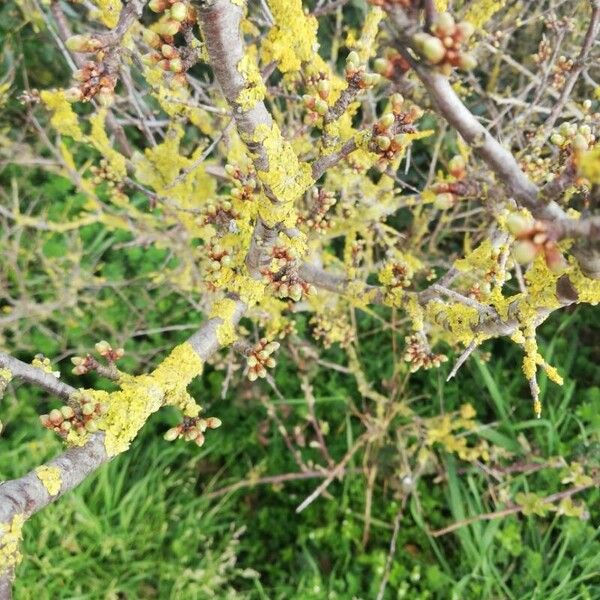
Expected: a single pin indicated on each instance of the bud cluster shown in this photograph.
(533, 239)
(245, 182)
(105, 173)
(387, 132)
(282, 277)
(103, 348)
(219, 259)
(95, 79)
(80, 419)
(320, 203)
(444, 46)
(544, 51)
(447, 193)
(175, 15)
(560, 69)
(392, 66)
(192, 429)
(356, 73)
(332, 328)
(220, 215)
(259, 358)
(418, 354)
(576, 139)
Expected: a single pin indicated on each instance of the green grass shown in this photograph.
(142, 527)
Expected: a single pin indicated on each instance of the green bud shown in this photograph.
(321, 106)
(517, 224)
(444, 201)
(171, 434)
(433, 50)
(524, 251)
(353, 59)
(383, 142)
(386, 120)
(382, 66)
(179, 11)
(175, 65)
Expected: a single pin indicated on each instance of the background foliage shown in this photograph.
(159, 521)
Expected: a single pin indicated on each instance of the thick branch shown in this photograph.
(27, 495)
(36, 376)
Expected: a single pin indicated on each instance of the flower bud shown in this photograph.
(168, 51)
(151, 38)
(433, 50)
(444, 201)
(557, 139)
(372, 79)
(157, 6)
(353, 59)
(83, 43)
(67, 412)
(295, 292)
(383, 66)
(321, 106)
(383, 142)
(102, 348)
(467, 62)
(168, 27)
(309, 101)
(457, 166)
(171, 434)
(443, 24)
(55, 417)
(524, 251)
(396, 101)
(88, 409)
(213, 422)
(324, 87)
(555, 260)
(579, 144)
(386, 120)
(175, 65)
(105, 97)
(91, 426)
(517, 224)
(179, 11)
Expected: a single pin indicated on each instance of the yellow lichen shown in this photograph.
(250, 290)
(458, 318)
(365, 46)
(128, 408)
(293, 39)
(588, 290)
(589, 165)
(481, 11)
(64, 119)
(175, 373)
(51, 478)
(6, 375)
(109, 11)
(254, 88)
(10, 538)
(224, 309)
(287, 177)
(100, 141)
